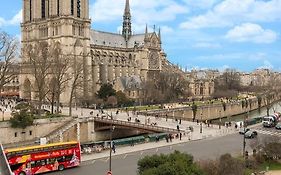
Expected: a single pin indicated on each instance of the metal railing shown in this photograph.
(136, 125)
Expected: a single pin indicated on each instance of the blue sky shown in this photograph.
(216, 34)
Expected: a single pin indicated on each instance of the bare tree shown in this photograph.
(76, 81)
(166, 87)
(229, 80)
(38, 63)
(60, 72)
(8, 55)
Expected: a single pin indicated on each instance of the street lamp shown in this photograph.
(110, 139)
(220, 120)
(244, 137)
(201, 123)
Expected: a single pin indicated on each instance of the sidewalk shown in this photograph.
(152, 145)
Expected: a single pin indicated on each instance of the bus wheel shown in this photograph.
(22, 173)
(61, 167)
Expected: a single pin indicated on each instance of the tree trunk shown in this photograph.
(70, 101)
(53, 100)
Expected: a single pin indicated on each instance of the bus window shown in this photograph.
(16, 166)
(32, 163)
(61, 159)
(68, 158)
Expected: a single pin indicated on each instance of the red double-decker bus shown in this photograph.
(44, 158)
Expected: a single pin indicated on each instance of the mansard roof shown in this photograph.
(101, 38)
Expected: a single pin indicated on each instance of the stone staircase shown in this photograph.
(56, 133)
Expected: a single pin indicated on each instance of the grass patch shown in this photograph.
(143, 108)
(271, 166)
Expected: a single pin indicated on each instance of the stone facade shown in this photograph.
(202, 82)
(107, 57)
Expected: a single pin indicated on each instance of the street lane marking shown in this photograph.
(171, 147)
(157, 149)
(125, 156)
(269, 133)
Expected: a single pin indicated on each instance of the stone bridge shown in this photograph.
(81, 128)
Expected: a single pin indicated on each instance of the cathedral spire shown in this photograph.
(159, 35)
(127, 29)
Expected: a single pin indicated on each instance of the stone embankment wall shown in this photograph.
(212, 111)
(41, 128)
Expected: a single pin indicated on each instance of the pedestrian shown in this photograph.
(180, 135)
(166, 117)
(180, 121)
(132, 142)
(178, 127)
(197, 121)
(167, 138)
(170, 136)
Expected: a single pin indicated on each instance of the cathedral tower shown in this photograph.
(64, 21)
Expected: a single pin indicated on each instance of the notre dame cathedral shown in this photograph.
(109, 57)
(119, 59)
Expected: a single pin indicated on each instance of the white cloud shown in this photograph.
(249, 32)
(201, 4)
(266, 65)
(14, 21)
(207, 45)
(231, 12)
(17, 19)
(143, 11)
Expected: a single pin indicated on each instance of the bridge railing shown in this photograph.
(137, 125)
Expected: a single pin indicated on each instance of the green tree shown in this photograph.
(173, 164)
(106, 91)
(122, 100)
(22, 119)
(194, 110)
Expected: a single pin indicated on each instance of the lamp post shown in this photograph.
(201, 123)
(244, 138)
(110, 139)
(220, 120)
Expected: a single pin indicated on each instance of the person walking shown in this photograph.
(180, 135)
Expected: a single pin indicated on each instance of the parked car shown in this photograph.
(251, 134)
(241, 131)
(278, 126)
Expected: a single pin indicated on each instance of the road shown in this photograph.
(127, 163)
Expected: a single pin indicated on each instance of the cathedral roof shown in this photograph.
(131, 83)
(101, 38)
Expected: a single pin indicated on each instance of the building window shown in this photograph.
(30, 133)
(58, 7)
(73, 29)
(30, 10)
(43, 8)
(16, 134)
(72, 7)
(78, 8)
